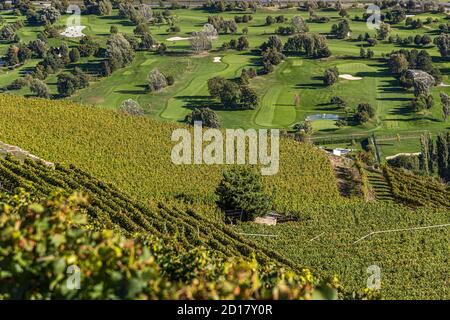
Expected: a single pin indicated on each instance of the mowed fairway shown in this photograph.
(297, 75)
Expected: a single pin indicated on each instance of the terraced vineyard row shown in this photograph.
(416, 190)
(346, 240)
(113, 209)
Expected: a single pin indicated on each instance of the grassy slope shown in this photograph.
(414, 264)
(134, 153)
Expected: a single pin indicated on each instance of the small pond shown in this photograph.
(323, 116)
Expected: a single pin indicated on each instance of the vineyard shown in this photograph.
(416, 190)
(50, 235)
(114, 210)
(414, 263)
(133, 153)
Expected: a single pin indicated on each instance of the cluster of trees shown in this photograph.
(313, 45)
(413, 23)
(243, 18)
(314, 18)
(364, 113)
(400, 61)
(271, 53)
(321, 4)
(435, 155)
(231, 94)
(68, 83)
(240, 44)
(366, 54)
(206, 116)
(200, 41)
(417, 40)
(98, 7)
(331, 76)
(415, 69)
(222, 6)
(222, 25)
(46, 16)
(143, 13)
(443, 43)
(158, 80)
(341, 30)
(8, 32)
(247, 74)
(297, 25)
(278, 19)
(119, 53)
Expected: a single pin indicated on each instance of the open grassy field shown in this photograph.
(296, 75)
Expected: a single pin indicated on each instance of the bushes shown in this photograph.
(131, 107)
(206, 116)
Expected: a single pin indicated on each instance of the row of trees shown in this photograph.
(231, 94)
(435, 155)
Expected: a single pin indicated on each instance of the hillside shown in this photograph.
(134, 153)
(414, 263)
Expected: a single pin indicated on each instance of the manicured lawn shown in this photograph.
(296, 75)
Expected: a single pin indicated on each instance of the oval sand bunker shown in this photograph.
(349, 77)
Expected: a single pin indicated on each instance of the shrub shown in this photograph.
(131, 107)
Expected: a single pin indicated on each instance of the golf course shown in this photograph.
(361, 80)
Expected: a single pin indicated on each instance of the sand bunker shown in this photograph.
(73, 32)
(443, 85)
(349, 77)
(217, 59)
(410, 15)
(177, 39)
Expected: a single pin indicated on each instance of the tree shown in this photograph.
(331, 76)
(131, 107)
(442, 156)
(200, 41)
(242, 189)
(74, 55)
(88, 46)
(119, 51)
(341, 30)
(398, 63)
(50, 15)
(248, 98)
(215, 86)
(299, 25)
(445, 101)
(66, 84)
(147, 42)
(38, 48)
(443, 43)
(383, 31)
(113, 29)
(146, 12)
(104, 8)
(242, 43)
(206, 116)
(39, 88)
(156, 80)
(364, 113)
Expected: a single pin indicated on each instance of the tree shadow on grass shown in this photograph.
(192, 102)
(143, 90)
(310, 86)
